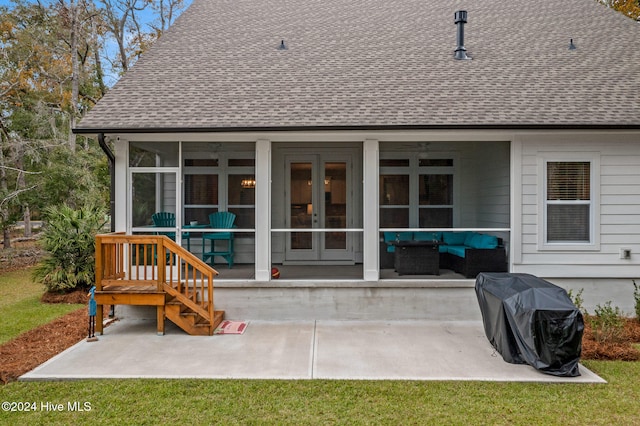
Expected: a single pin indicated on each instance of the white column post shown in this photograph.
(121, 170)
(263, 210)
(370, 220)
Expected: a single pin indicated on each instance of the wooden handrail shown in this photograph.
(130, 260)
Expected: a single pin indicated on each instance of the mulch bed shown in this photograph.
(32, 348)
(621, 350)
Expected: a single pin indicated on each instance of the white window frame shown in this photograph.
(594, 203)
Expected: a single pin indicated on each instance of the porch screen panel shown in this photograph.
(153, 154)
(568, 199)
(435, 200)
(241, 199)
(394, 201)
(200, 197)
(151, 193)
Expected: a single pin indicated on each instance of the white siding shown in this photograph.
(618, 211)
(483, 174)
(492, 177)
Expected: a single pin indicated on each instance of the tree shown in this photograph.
(630, 8)
(166, 12)
(41, 94)
(120, 17)
(51, 74)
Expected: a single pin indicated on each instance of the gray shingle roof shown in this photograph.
(373, 63)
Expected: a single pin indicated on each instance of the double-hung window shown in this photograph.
(570, 202)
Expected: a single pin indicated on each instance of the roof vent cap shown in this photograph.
(282, 46)
(571, 45)
(460, 18)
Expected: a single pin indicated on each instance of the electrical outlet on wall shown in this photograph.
(625, 253)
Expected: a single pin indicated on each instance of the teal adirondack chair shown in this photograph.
(168, 220)
(219, 220)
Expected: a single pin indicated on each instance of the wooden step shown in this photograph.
(191, 322)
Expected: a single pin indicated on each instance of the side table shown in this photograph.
(417, 257)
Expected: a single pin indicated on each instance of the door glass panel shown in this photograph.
(335, 195)
(301, 208)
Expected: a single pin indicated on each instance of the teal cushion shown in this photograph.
(474, 242)
(442, 248)
(488, 242)
(427, 236)
(405, 236)
(389, 236)
(470, 236)
(454, 238)
(456, 250)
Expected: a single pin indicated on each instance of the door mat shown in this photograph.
(231, 327)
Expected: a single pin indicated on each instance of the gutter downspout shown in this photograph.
(112, 174)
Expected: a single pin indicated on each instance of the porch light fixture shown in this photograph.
(248, 183)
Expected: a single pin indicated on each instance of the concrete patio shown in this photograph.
(321, 349)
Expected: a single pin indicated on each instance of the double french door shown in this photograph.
(318, 201)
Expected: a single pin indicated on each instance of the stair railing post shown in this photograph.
(98, 282)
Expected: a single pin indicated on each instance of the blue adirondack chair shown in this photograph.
(219, 220)
(168, 220)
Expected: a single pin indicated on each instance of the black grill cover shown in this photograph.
(529, 320)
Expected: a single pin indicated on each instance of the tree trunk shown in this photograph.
(75, 73)
(21, 185)
(27, 221)
(6, 238)
(4, 211)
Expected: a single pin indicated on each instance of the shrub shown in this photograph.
(69, 239)
(607, 324)
(577, 300)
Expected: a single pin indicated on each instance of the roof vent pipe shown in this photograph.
(460, 18)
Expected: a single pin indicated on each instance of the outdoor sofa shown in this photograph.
(466, 252)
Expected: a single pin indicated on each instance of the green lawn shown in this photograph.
(330, 402)
(20, 307)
